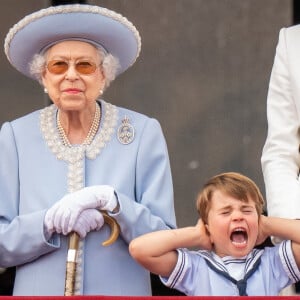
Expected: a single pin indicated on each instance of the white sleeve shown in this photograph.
(280, 157)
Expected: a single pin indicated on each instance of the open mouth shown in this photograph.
(239, 236)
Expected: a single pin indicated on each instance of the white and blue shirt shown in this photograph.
(262, 272)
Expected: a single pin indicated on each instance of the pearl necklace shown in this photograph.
(91, 134)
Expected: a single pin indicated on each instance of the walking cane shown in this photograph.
(73, 249)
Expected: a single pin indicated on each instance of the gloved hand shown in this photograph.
(90, 219)
(61, 217)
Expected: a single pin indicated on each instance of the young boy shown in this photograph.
(231, 224)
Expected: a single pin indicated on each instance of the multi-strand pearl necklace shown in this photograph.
(91, 134)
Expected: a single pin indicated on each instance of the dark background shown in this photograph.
(203, 73)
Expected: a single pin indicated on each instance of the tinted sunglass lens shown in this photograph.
(85, 67)
(57, 67)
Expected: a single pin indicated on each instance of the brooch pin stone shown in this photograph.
(125, 132)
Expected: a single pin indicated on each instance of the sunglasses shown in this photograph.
(83, 67)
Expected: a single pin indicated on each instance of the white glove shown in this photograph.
(90, 219)
(61, 217)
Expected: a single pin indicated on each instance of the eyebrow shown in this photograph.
(65, 57)
(242, 207)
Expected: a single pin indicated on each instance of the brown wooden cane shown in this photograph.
(74, 247)
(71, 264)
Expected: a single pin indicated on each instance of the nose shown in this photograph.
(237, 215)
(71, 73)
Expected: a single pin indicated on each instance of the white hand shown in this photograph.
(90, 219)
(61, 217)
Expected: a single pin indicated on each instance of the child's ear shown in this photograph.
(207, 229)
(208, 233)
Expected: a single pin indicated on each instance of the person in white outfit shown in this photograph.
(280, 156)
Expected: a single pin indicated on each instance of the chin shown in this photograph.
(72, 105)
(240, 252)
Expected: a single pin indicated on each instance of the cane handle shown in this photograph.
(114, 229)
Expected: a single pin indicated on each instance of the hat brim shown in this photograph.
(48, 26)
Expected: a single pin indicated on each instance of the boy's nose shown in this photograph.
(237, 215)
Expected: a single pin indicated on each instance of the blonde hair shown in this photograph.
(232, 184)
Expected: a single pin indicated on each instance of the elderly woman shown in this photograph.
(61, 167)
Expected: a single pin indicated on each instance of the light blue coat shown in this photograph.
(34, 174)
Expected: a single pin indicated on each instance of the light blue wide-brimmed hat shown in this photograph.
(97, 25)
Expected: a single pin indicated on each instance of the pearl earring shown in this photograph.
(101, 92)
(45, 91)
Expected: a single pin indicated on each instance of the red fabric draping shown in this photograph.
(147, 298)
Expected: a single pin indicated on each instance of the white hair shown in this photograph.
(110, 66)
